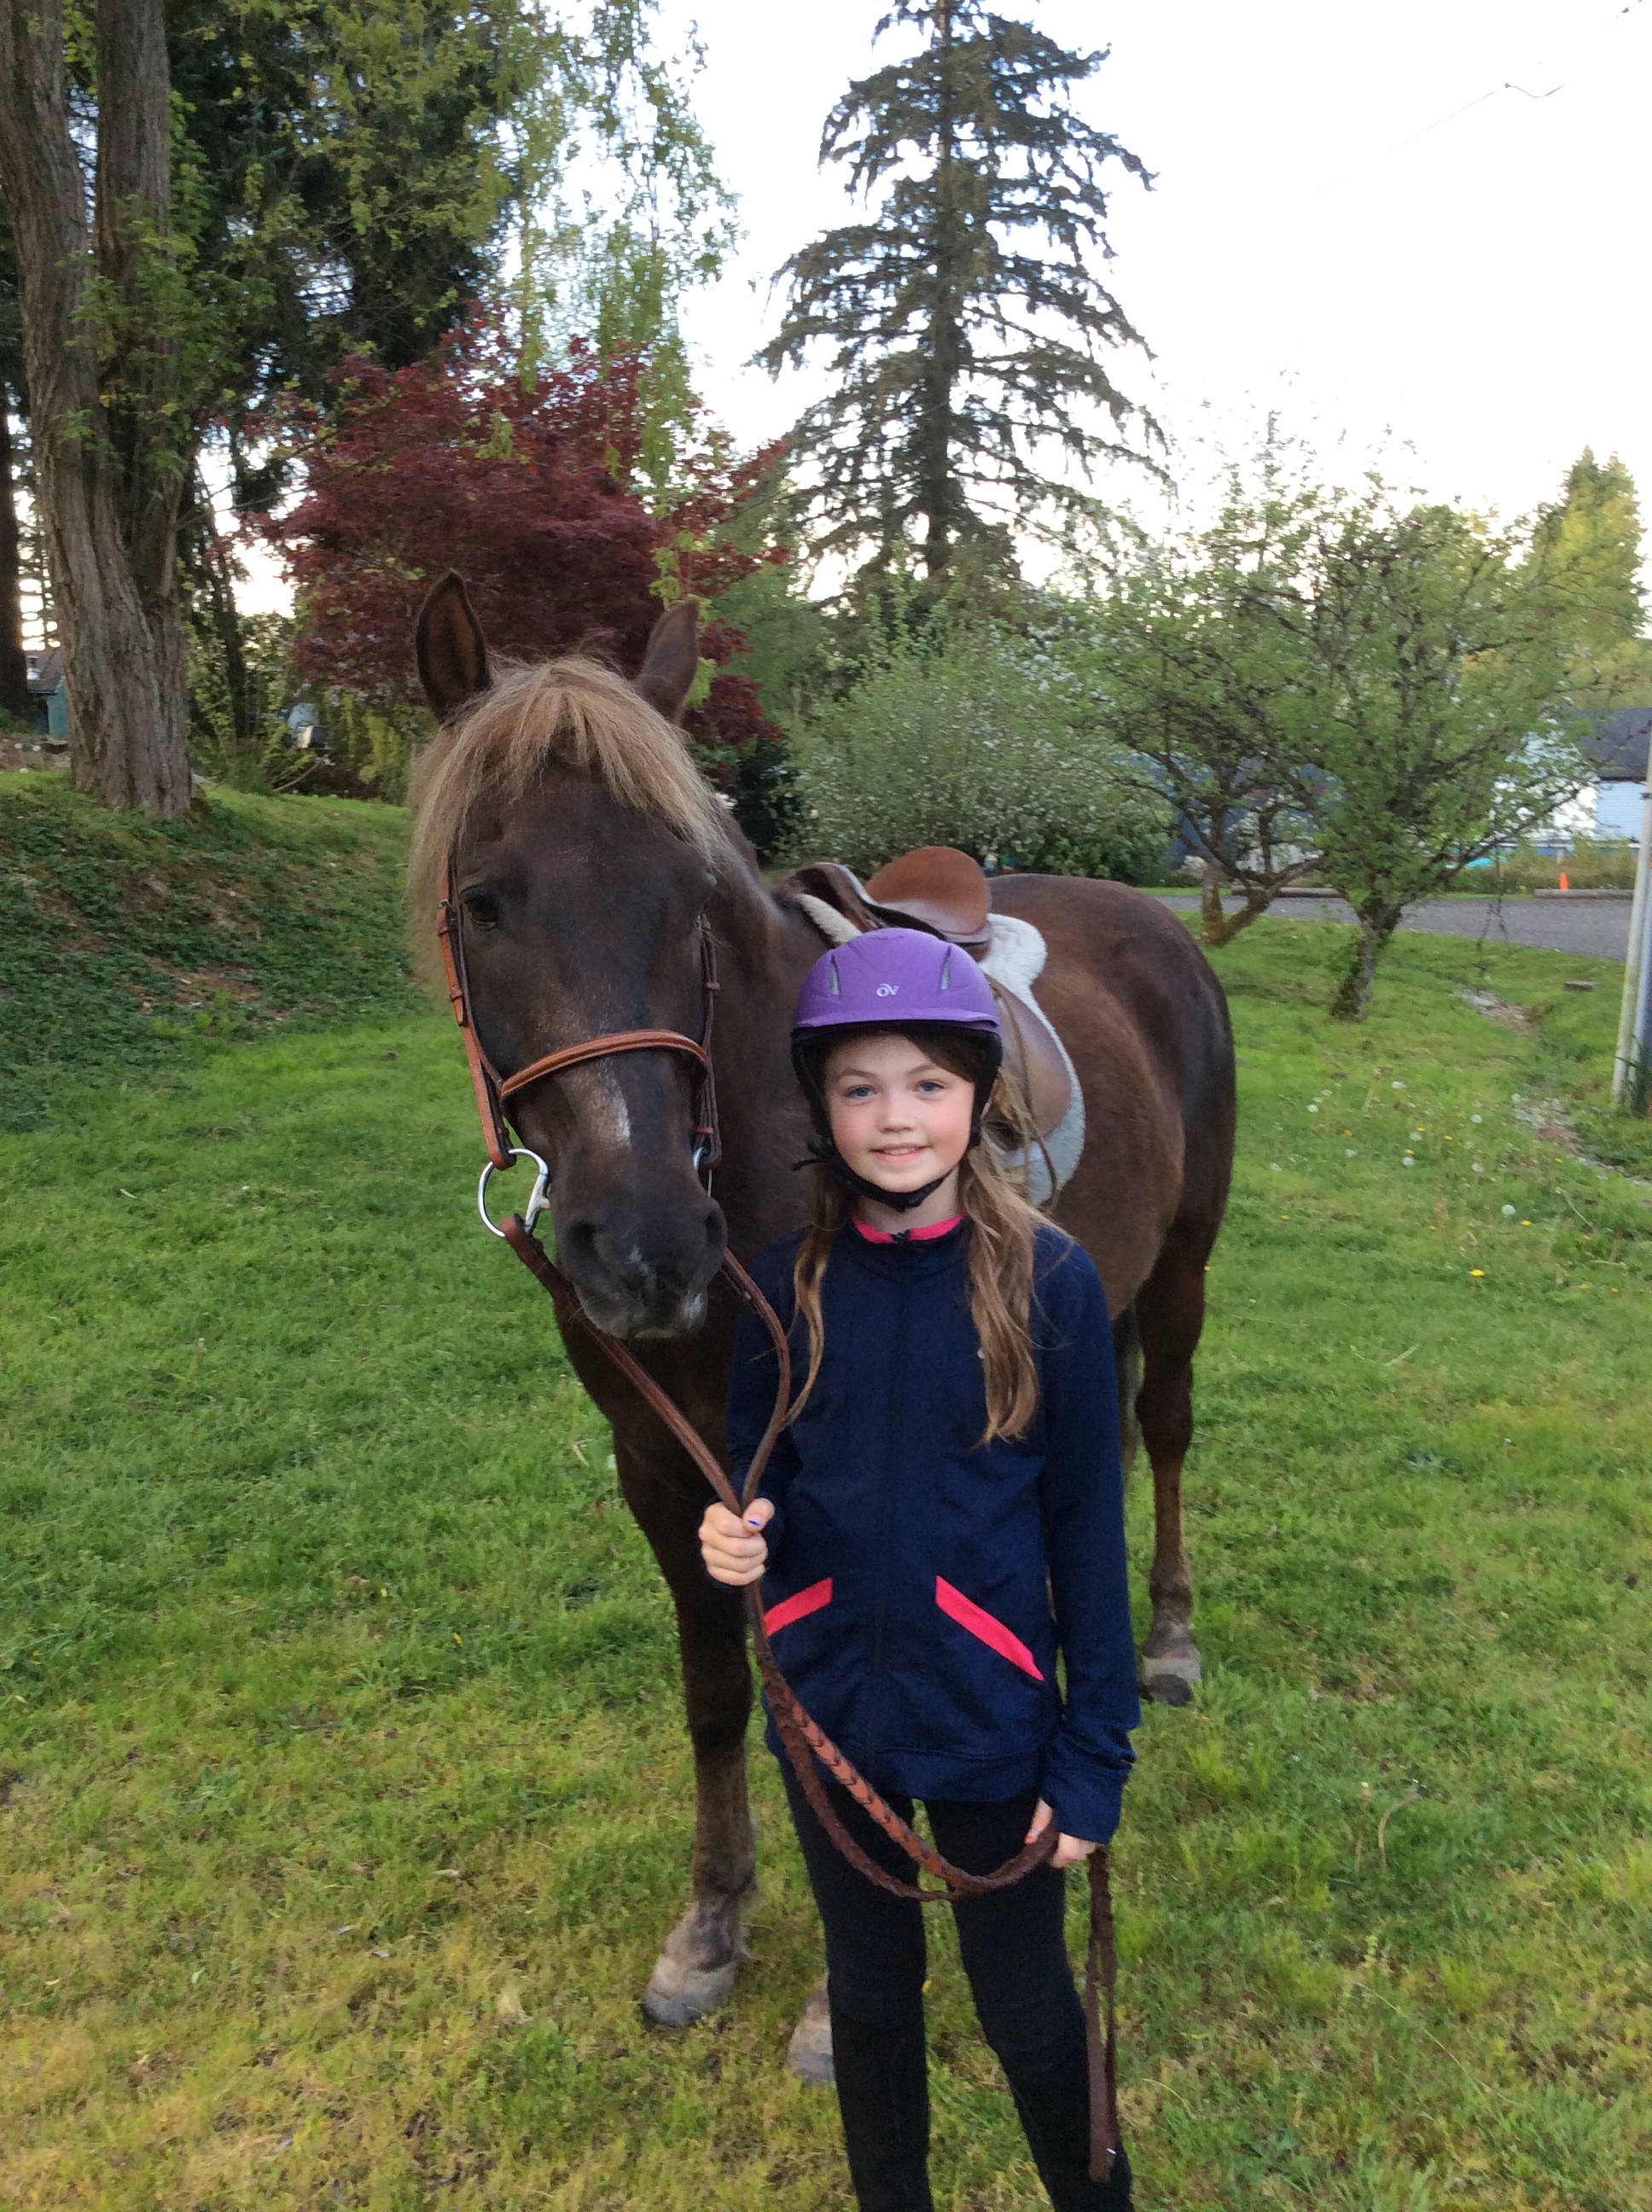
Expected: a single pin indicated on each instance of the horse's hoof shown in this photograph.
(1167, 1677)
(698, 1962)
(678, 1996)
(808, 2054)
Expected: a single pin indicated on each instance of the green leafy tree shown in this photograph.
(1589, 542)
(1443, 724)
(966, 324)
(276, 182)
(1198, 660)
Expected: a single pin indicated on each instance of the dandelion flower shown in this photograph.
(1509, 1211)
(1474, 1117)
(1477, 1271)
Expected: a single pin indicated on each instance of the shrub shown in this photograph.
(971, 737)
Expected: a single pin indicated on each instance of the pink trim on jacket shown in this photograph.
(799, 1603)
(917, 1235)
(969, 1615)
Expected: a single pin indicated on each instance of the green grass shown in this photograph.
(126, 945)
(345, 1796)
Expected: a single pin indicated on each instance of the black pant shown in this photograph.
(1015, 1954)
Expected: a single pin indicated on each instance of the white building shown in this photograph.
(1619, 746)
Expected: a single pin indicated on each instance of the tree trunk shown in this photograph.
(1226, 927)
(1211, 920)
(1375, 927)
(938, 499)
(112, 456)
(14, 669)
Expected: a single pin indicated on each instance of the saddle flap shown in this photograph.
(1035, 1059)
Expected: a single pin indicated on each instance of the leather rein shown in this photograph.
(805, 1740)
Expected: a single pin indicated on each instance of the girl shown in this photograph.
(943, 1515)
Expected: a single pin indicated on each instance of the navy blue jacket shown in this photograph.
(921, 1583)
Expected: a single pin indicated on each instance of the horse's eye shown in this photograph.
(482, 906)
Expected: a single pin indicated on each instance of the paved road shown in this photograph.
(1595, 927)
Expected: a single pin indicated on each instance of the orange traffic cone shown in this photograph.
(1564, 885)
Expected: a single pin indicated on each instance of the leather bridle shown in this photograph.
(495, 1091)
(805, 1740)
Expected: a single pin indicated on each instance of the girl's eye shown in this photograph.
(855, 1092)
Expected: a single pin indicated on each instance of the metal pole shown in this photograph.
(1637, 966)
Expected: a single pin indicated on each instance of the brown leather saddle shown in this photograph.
(938, 888)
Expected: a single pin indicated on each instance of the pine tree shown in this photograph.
(970, 325)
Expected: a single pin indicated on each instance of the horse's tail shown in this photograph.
(1126, 1353)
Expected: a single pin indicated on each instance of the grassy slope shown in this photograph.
(346, 1797)
(125, 945)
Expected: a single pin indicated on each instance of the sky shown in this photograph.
(1325, 234)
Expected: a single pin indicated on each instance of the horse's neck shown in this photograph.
(764, 949)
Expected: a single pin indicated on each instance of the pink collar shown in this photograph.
(913, 1236)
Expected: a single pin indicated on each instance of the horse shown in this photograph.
(588, 861)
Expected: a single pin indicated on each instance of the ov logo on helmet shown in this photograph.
(887, 990)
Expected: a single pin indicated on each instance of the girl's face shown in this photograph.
(899, 1118)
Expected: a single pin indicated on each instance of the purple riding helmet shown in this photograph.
(891, 979)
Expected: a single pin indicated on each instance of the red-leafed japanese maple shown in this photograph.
(536, 495)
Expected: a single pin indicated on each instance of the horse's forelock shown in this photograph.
(574, 713)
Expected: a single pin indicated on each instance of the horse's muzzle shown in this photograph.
(638, 1280)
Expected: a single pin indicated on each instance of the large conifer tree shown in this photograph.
(968, 324)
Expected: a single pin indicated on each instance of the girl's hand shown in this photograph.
(733, 1549)
(1069, 1851)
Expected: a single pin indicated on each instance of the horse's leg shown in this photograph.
(1170, 1311)
(696, 1967)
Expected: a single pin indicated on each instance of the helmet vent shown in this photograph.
(946, 970)
(837, 988)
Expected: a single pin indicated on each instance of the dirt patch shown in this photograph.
(1521, 1019)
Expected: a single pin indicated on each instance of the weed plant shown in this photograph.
(345, 1792)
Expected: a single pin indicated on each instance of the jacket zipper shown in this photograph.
(896, 1408)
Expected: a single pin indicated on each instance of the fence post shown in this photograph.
(1628, 1073)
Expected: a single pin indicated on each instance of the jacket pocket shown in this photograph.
(979, 1622)
(798, 1606)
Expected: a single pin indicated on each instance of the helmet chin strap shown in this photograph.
(823, 1153)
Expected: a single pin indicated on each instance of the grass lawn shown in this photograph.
(343, 1796)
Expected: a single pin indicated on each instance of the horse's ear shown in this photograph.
(451, 650)
(672, 660)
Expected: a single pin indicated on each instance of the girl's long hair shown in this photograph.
(1004, 1225)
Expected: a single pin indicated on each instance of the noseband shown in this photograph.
(805, 1742)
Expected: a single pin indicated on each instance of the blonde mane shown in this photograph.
(573, 712)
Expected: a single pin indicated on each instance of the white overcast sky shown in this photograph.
(1480, 292)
